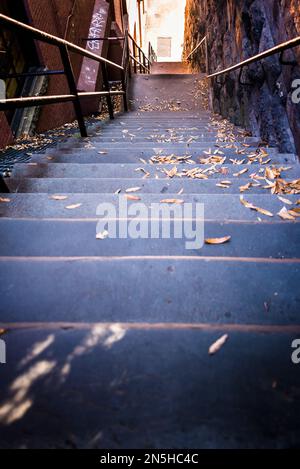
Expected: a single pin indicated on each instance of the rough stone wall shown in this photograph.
(237, 30)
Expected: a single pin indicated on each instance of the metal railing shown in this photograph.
(140, 62)
(202, 43)
(64, 47)
(279, 49)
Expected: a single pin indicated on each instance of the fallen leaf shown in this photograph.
(132, 197)
(4, 200)
(103, 152)
(72, 207)
(102, 235)
(133, 189)
(285, 201)
(285, 215)
(216, 346)
(2, 331)
(223, 240)
(172, 201)
(58, 197)
(253, 207)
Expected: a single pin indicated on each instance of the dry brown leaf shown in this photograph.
(253, 207)
(264, 212)
(223, 240)
(132, 197)
(4, 200)
(102, 235)
(243, 171)
(285, 215)
(216, 346)
(58, 197)
(285, 201)
(73, 206)
(172, 201)
(246, 187)
(133, 189)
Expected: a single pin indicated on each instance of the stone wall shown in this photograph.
(237, 30)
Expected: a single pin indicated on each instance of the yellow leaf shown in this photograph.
(223, 240)
(216, 346)
(72, 207)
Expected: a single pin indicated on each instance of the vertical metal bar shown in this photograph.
(134, 55)
(206, 54)
(124, 88)
(144, 63)
(73, 88)
(106, 87)
(140, 60)
(3, 187)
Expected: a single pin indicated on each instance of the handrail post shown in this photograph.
(140, 60)
(106, 87)
(134, 55)
(73, 88)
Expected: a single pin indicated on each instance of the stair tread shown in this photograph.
(217, 206)
(123, 376)
(52, 238)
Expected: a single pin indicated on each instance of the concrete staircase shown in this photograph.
(107, 339)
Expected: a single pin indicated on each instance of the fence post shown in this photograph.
(73, 88)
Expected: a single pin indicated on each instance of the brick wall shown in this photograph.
(52, 16)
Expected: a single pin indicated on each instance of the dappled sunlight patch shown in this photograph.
(21, 401)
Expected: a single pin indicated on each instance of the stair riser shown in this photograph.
(73, 170)
(81, 290)
(147, 186)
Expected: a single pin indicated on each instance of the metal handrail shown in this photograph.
(196, 48)
(280, 48)
(74, 96)
(139, 58)
(54, 40)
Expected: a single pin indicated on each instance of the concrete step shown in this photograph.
(147, 186)
(129, 170)
(97, 386)
(218, 207)
(218, 290)
(56, 238)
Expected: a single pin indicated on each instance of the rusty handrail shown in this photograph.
(140, 61)
(280, 48)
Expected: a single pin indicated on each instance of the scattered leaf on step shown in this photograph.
(172, 201)
(102, 235)
(285, 201)
(253, 207)
(4, 200)
(243, 171)
(118, 191)
(2, 331)
(223, 240)
(132, 197)
(103, 152)
(72, 207)
(58, 197)
(285, 215)
(133, 189)
(216, 346)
